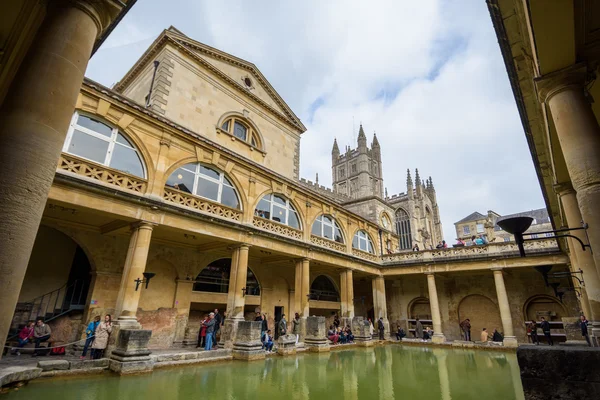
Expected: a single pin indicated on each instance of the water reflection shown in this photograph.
(389, 372)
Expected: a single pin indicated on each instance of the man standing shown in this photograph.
(210, 330)
(89, 332)
(545, 325)
(282, 325)
(465, 326)
(41, 333)
(218, 323)
(419, 329)
(584, 329)
(296, 327)
(380, 327)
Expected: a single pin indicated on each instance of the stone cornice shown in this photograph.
(102, 12)
(573, 77)
(562, 189)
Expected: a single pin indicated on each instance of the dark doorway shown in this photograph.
(278, 315)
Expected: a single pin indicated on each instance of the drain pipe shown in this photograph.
(380, 243)
(156, 63)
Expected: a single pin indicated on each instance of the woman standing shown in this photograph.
(202, 333)
(371, 327)
(103, 331)
(296, 327)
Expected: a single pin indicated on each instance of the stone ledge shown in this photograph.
(51, 365)
(73, 372)
(17, 374)
(165, 364)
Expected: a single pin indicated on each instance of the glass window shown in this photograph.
(362, 241)
(480, 228)
(215, 278)
(466, 230)
(205, 182)
(91, 139)
(239, 130)
(225, 126)
(326, 227)
(403, 229)
(278, 209)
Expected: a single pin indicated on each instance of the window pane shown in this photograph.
(316, 228)
(94, 125)
(88, 146)
(279, 200)
(327, 231)
(254, 142)
(355, 242)
(190, 167)
(227, 182)
(182, 180)
(338, 235)
(327, 219)
(121, 139)
(279, 214)
(239, 131)
(209, 172)
(126, 160)
(371, 249)
(294, 222)
(263, 208)
(208, 189)
(225, 126)
(229, 197)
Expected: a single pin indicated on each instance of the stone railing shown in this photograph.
(277, 228)
(200, 204)
(89, 169)
(365, 255)
(504, 249)
(320, 241)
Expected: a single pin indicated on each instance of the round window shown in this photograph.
(248, 81)
(385, 220)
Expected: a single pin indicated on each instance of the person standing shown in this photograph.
(465, 326)
(41, 333)
(532, 329)
(210, 325)
(102, 333)
(545, 325)
(202, 333)
(296, 327)
(265, 325)
(336, 321)
(380, 328)
(419, 329)
(371, 328)
(282, 325)
(90, 332)
(584, 329)
(218, 323)
(25, 335)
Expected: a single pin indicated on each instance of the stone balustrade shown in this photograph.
(277, 228)
(319, 241)
(198, 203)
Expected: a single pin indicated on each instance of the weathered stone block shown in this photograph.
(51, 365)
(286, 345)
(132, 343)
(89, 364)
(316, 339)
(559, 372)
(247, 345)
(18, 374)
(360, 329)
(573, 331)
(134, 367)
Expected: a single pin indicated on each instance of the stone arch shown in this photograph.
(299, 211)
(214, 277)
(323, 287)
(482, 311)
(419, 307)
(162, 287)
(542, 305)
(344, 235)
(374, 242)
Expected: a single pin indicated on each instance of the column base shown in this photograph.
(510, 341)
(316, 335)
(286, 345)
(247, 345)
(131, 355)
(438, 338)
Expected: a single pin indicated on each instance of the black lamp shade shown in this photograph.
(515, 225)
(149, 275)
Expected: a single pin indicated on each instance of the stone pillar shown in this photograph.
(135, 265)
(509, 336)
(247, 345)
(438, 336)
(583, 259)
(579, 136)
(34, 120)
(347, 295)
(316, 335)
(379, 305)
(182, 302)
(302, 287)
(361, 331)
(239, 284)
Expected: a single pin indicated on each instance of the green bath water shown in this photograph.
(388, 372)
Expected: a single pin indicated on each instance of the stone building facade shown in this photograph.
(193, 176)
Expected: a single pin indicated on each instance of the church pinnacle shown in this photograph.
(417, 177)
(375, 141)
(409, 181)
(336, 149)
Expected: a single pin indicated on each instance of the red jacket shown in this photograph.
(203, 329)
(26, 333)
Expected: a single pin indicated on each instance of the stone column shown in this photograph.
(509, 336)
(347, 294)
(302, 287)
(379, 304)
(434, 304)
(34, 120)
(135, 265)
(583, 259)
(241, 275)
(182, 302)
(579, 136)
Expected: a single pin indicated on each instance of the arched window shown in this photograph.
(96, 141)
(323, 289)
(215, 278)
(327, 228)
(278, 209)
(362, 241)
(206, 182)
(403, 229)
(242, 130)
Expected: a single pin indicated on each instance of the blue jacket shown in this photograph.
(91, 329)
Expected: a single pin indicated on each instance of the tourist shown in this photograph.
(90, 332)
(202, 333)
(349, 335)
(545, 325)
(415, 247)
(265, 324)
(419, 329)
(532, 330)
(459, 243)
(465, 326)
(484, 335)
(400, 334)
(296, 327)
(282, 325)
(41, 333)
(101, 335)
(440, 245)
(584, 329)
(268, 343)
(332, 335)
(371, 328)
(483, 239)
(380, 328)
(427, 334)
(218, 323)
(342, 334)
(497, 336)
(444, 244)
(25, 335)
(336, 321)
(210, 324)
(258, 317)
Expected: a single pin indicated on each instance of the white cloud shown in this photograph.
(427, 76)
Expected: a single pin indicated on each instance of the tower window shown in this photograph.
(403, 229)
(354, 168)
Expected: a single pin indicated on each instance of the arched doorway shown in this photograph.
(419, 308)
(324, 298)
(544, 306)
(482, 312)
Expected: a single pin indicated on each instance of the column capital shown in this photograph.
(573, 77)
(497, 269)
(103, 13)
(429, 273)
(563, 189)
(143, 225)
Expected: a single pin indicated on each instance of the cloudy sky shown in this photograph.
(426, 76)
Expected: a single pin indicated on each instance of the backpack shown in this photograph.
(57, 351)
